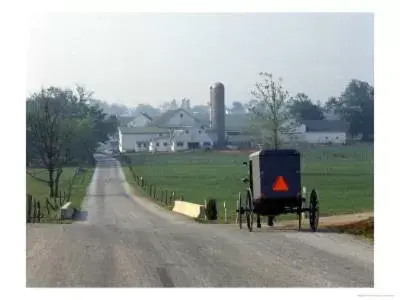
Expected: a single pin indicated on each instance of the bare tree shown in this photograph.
(271, 118)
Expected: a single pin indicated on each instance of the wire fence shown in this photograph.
(40, 211)
(162, 195)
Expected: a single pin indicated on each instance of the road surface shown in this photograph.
(130, 242)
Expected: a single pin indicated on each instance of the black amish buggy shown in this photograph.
(274, 188)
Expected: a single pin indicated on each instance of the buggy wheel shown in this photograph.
(314, 211)
(249, 211)
(239, 211)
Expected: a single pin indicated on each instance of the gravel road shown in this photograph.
(130, 242)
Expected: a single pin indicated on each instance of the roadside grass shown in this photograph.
(40, 190)
(342, 176)
(363, 228)
(139, 191)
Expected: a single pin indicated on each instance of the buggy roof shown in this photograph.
(268, 152)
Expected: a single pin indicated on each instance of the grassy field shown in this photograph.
(342, 175)
(40, 191)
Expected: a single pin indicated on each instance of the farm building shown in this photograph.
(178, 129)
(175, 130)
(324, 131)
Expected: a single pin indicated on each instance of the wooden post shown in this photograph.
(238, 208)
(59, 198)
(34, 211)
(38, 211)
(28, 208)
(64, 197)
(205, 208)
(47, 206)
(226, 220)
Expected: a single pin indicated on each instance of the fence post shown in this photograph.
(34, 211)
(38, 211)
(205, 209)
(29, 208)
(59, 198)
(238, 208)
(64, 196)
(226, 220)
(47, 206)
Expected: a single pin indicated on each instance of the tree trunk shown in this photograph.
(51, 180)
(57, 181)
(275, 137)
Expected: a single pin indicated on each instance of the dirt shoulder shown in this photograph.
(360, 224)
(335, 220)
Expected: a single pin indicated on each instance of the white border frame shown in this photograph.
(13, 68)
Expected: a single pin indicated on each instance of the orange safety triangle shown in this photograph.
(280, 185)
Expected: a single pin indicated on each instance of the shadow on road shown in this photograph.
(80, 215)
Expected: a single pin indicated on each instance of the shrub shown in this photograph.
(211, 209)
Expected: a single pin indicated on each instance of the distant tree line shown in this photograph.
(355, 105)
(64, 126)
(273, 110)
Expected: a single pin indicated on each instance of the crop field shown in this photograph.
(342, 175)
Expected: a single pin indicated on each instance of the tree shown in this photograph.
(148, 109)
(270, 110)
(63, 127)
(185, 104)
(302, 108)
(50, 131)
(331, 105)
(237, 108)
(169, 105)
(356, 106)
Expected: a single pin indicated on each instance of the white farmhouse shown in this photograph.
(137, 139)
(160, 144)
(142, 120)
(324, 131)
(175, 130)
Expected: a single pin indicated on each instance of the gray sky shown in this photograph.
(134, 58)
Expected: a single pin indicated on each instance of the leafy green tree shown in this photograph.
(356, 106)
(63, 127)
(302, 108)
(148, 109)
(237, 108)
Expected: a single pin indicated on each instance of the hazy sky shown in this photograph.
(134, 58)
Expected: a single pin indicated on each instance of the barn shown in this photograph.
(174, 130)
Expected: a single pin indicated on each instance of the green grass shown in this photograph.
(40, 190)
(343, 176)
(141, 192)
